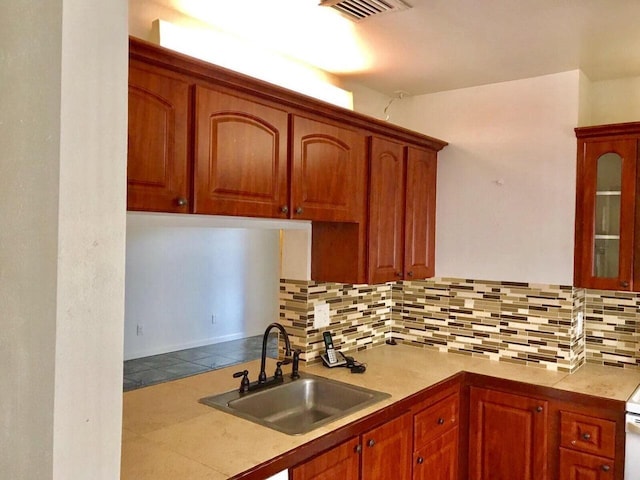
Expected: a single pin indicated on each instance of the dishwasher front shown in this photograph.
(632, 447)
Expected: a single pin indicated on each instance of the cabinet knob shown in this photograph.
(539, 409)
(624, 284)
(284, 209)
(420, 460)
(606, 468)
(371, 443)
(399, 274)
(441, 421)
(358, 449)
(299, 211)
(586, 436)
(181, 201)
(410, 273)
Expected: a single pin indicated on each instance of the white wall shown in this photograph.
(615, 101)
(506, 182)
(62, 191)
(178, 276)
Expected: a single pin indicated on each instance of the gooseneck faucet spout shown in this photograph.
(262, 377)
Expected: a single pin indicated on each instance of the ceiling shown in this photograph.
(447, 44)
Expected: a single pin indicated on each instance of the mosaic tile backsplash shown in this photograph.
(513, 322)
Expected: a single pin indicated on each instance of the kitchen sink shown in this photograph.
(297, 406)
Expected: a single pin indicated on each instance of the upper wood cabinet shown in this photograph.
(386, 210)
(206, 140)
(328, 170)
(420, 214)
(402, 196)
(607, 220)
(158, 133)
(240, 156)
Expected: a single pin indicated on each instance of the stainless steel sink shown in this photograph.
(297, 406)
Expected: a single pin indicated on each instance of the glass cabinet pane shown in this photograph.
(606, 255)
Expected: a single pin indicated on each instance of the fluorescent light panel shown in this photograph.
(234, 53)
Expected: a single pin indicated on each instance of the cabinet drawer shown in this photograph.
(588, 434)
(435, 420)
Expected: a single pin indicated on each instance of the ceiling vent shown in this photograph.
(358, 10)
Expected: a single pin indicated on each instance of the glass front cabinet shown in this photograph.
(606, 230)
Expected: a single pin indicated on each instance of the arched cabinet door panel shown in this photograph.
(157, 161)
(240, 156)
(420, 214)
(328, 172)
(386, 210)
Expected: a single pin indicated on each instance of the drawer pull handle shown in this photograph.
(606, 468)
(586, 436)
(441, 421)
(420, 460)
(371, 442)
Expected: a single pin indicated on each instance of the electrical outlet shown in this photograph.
(139, 331)
(213, 319)
(580, 324)
(321, 317)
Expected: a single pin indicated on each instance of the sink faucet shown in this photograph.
(262, 382)
(262, 377)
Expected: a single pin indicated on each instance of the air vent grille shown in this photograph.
(358, 10)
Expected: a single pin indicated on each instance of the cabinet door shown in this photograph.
(339, 463)
(241, 156)
(328, 181)
(507, 436)
(386, 210)
(386, 450)
(438, 460)
(582, 466)
(157, 152)
(420, 214)
(605, 213)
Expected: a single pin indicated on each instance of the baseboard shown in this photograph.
(160, 349)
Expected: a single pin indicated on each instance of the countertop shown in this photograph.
(167, 434)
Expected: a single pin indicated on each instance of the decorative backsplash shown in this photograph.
(360, 315)
(612, 328)
(523, 323)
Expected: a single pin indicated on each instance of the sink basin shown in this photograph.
(297, 406)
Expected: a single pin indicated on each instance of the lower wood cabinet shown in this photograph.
(582, 466)
(587, 447)
(341, 462)
(438, 460)
(435, 440)
(507, 436)
(484, 429)
(379, 454)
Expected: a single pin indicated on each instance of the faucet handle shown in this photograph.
(296, 363)
(244, 383)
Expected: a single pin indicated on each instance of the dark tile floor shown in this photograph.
(142, 372)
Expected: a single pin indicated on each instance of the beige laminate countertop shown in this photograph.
(167, 434)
